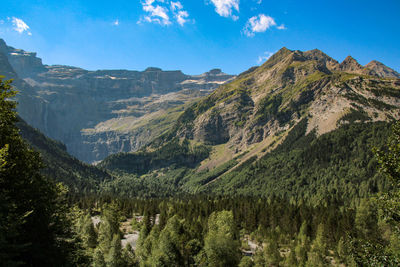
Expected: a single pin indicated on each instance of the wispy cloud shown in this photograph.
(155, 13)
(20, 26)
(260, 23)
(181, 17)
(116, 22)
(163, 12)
(176, 5)
(265, 56)
(225, 8)
(281, 27)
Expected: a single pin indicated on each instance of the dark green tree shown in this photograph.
(34, 229)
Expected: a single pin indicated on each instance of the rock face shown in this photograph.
(381, 70)
(24, 63)
(351, 65)
(291, 85)
(80, 108)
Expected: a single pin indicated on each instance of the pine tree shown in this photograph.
(98, 258)
(89, 234)
(114, 255)
(34, 227)
(317, 254)
(291, 259)
(221, 245)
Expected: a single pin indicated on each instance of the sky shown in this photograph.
(198, 35)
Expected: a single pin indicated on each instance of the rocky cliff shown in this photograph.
(252, 114)
(80, 107)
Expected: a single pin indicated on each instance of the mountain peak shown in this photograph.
(349, 64)
(381, 70)
(215, 71)
(316, 54)
(152, 69)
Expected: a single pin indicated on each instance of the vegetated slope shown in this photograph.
(243, 121)
(98, 113)
(339, 163)
(62, 167)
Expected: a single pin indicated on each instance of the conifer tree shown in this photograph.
(34, 228)
(89, 234)
(114, 255)
(317, 254)
(98, 258)
(221, 245)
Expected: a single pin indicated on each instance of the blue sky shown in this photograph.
(196, 36)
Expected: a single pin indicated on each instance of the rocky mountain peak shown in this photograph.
(382, 70)
(215, 71)
(24, 63)
(320, 56)
(349, 64)
(152, 69)
(3, 46)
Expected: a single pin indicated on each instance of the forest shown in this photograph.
(48, 223)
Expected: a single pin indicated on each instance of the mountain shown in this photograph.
(98, 113)
(296, 106)
(271, 99)
(62, 167)
(381, 70)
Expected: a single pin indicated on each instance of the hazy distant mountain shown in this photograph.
(98, 113)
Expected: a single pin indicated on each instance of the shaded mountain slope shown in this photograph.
(62, 167)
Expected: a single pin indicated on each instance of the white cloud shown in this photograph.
(176, 6)
(20, 26)
(225, 7)
(281, 27)
(156, 13)
(163, 12)
(265, 56)
(259, 23)
(181, 17)
(116, 22)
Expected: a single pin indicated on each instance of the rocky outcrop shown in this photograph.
(269, 100)
(24, 63)
(79, 107)
(351, 65)
(380, 70)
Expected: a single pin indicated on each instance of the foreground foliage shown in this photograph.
(34, 228)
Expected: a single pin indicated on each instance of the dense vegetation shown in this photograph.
(34, 226)
(61, 166)
(340, 163)
(173, 152)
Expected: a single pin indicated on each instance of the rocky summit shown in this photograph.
(98, 113)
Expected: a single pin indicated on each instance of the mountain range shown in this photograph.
(300, 123)
(98, 113)
(296, 106)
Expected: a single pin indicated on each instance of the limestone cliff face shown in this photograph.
(79, 107)
(24, 63)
